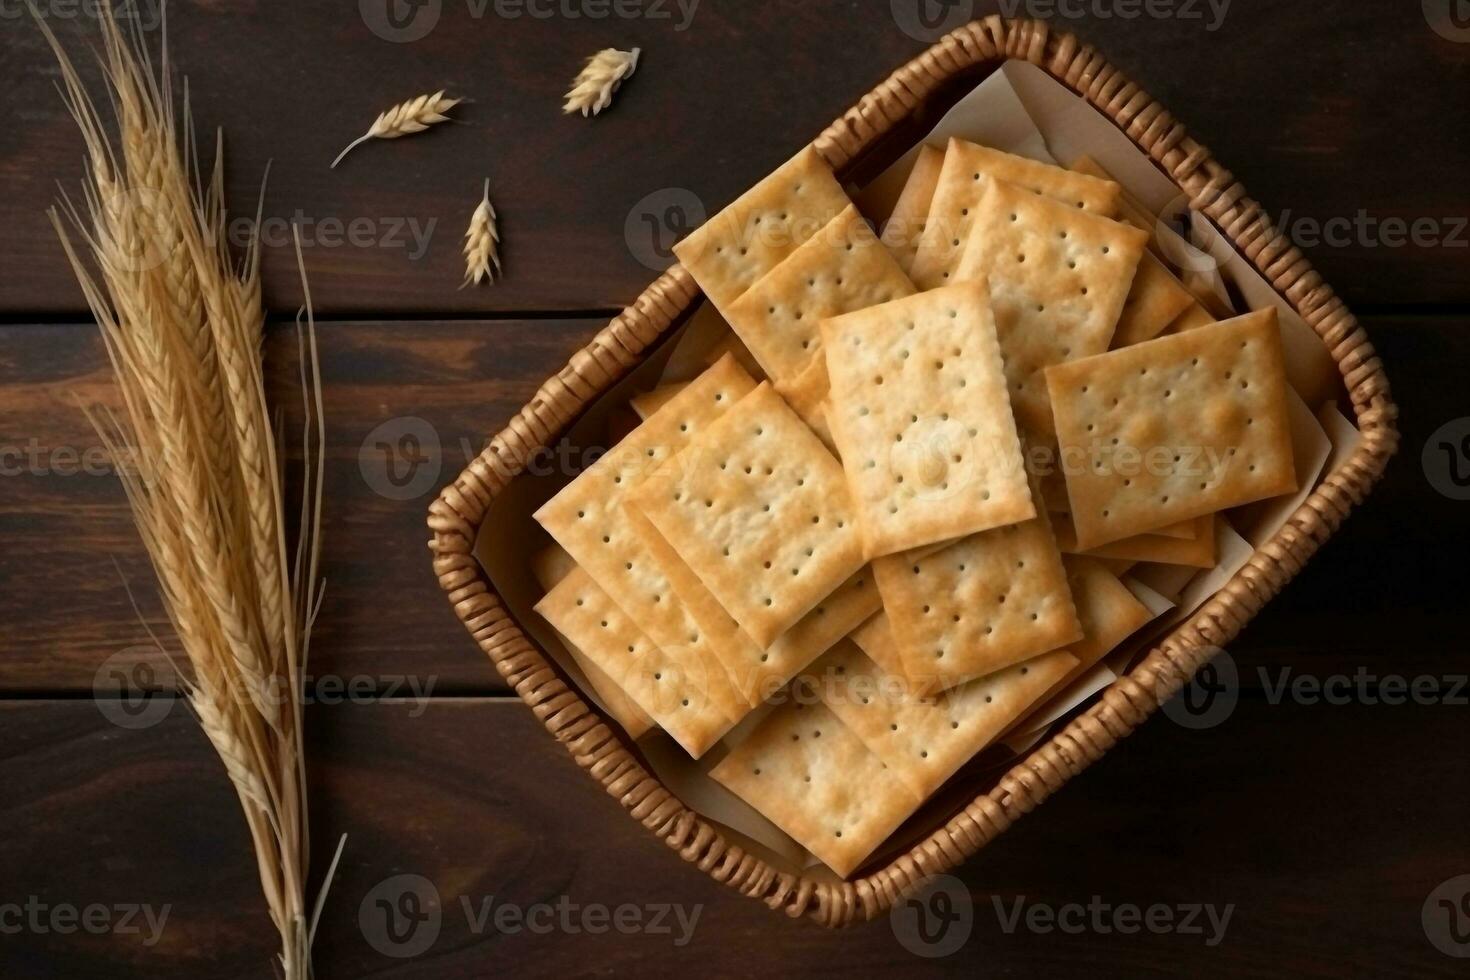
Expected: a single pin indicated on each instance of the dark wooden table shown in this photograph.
(1323, 823)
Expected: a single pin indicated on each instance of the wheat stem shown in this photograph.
(183, 330)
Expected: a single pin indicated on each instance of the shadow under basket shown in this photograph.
(867, 138)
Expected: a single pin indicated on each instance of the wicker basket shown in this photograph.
(896, 106)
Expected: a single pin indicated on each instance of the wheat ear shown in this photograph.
(604, 72)
(413, 116)
(482, 244)
(182, 327)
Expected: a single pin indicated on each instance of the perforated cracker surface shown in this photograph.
(729, 252)
(588, 519)
(759, 510)
(840, 269)
(1184, 425)
(757, 672)
(1058, 280)
(989, 601)
(919, 412)
(816, 780)
(685, 692)
(969, 170)
(925, 741)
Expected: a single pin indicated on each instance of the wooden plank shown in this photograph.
(1172, 817)
(66, 607)
(67, 611)
(714, 107)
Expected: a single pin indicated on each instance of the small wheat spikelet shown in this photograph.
(482, 244)
(605, 71)
(413, 116)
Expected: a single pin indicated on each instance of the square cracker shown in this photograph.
(924, 741)
(690, 697)
(588, 520)
(1203, 415)
(840, 269)
(905, 226)
(550, 566)
(731, 251)
(811, 776)
(756, 672)
(758, 509)
(989, 601)
(921, 419)
(1058, 279)
(969, 170)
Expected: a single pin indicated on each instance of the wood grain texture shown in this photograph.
(407, 407)
(68, 610)
(147, 817)
(1314, 120)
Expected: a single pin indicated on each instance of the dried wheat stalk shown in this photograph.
(482, 244)
(605, 71)
(413, 116)
(182, 325)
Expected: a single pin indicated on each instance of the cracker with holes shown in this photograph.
(759, 510)
(924, 741)
(588, 520)
(968, 172)
(759, 672)
(1058, 279)
(1108, 610)
(550, 566)
(920, 416)
(807, 772)
(840, 269)
(1174, 428)
(989, 601)
(905, 226)
(730, 252)
(689, 696)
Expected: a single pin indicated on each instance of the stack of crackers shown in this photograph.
(904, 533)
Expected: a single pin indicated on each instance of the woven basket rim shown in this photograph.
(598, 747)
